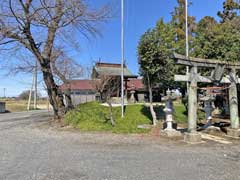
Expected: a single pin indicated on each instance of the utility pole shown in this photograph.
(186, 31)
(35, 86)
(4, 93)
(30, 92)
(122, 57)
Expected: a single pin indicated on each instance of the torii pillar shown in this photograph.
(193, 77)
(192, 135)
(234, 131)
(192, 101)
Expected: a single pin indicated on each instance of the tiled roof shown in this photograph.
(79, 84)
(135, 84)
(86, 84)
(112, 69)
(99, 64)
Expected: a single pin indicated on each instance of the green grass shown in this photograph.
(180, 115)
(94, 117)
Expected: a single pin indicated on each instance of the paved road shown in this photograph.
(31, 150)
(23, 119)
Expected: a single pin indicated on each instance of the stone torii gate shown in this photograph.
(194, 77)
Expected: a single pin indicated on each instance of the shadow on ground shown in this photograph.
(158, 109)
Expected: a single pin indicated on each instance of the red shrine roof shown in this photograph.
(79, 84)
(86, 84)
(136, 84)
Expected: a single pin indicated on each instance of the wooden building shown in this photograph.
(84, 91)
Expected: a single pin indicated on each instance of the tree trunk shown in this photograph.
(153, 113)
(111, 111)
(68, 99)
(55, 95)
(67, 92)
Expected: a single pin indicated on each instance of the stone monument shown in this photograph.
(2, 107)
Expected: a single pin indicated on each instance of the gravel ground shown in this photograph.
(31, 150)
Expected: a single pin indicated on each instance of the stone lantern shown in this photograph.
(169, 130)
(132, 92)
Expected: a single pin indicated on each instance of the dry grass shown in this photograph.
(21, 105)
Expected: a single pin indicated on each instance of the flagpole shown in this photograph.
(122, 57)
(186, 31)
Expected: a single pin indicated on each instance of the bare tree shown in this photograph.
(65, 69)
(40, 26)
(107, 87)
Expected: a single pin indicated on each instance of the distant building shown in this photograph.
(84, 91)
(111, 69)
(81, 91)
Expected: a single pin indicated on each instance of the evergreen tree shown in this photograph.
(230, 10)
(154, 54)
(215, 40)
(178, 22)
(207, 30)
(154, 51)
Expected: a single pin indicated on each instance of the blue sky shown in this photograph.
(139, 16)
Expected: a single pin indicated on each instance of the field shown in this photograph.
(13, 105)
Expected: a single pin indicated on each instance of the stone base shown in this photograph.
(174, 125)
(144, 126)
(171, 133)
(212, 129)
(192, 137)
(234, 133)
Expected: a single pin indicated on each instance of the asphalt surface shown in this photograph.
(32, 150)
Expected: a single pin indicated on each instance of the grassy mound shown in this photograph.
(95, 117)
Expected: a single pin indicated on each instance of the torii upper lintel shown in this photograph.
(200, 62)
